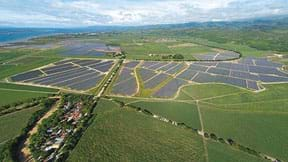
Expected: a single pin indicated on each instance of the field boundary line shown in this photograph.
(21, 90)
(220, 96)
(245, 103)
(202, 132)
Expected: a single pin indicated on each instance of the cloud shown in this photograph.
(131, 12)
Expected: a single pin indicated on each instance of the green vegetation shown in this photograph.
(256, 120)
(221, 152)
(59, 134)
(264, 132)
(178, 111)
(10, 93)
(202, 91)
(10, 149)
(13, 123)
(130, 132)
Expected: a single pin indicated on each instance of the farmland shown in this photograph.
(164, 97)
(11, 93)
(165, 143)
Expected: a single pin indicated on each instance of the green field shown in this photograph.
(263, 131)
(13, 123)
(180, 112)
(10, 93)
(204, 91)
(219, 152)
(123, 135)
(253, 119)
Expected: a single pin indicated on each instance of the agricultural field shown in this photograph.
(158, 97)
(11, 93)
(17, 120)
(168, 50)
(166, 142)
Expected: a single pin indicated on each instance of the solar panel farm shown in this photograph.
(122, 97)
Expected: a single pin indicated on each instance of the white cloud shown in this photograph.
(130, 12)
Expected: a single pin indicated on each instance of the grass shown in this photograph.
(202, 91)
(158, 49)
(13, 123)
(272, 93)
(10, 93)
(221, 152)
(263, 131)
(177, 111)
(113, 137)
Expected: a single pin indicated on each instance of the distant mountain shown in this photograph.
(264, 22)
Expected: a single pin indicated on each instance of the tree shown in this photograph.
(178, 57)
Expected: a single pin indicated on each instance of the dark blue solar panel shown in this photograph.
(170, 89)
(176, 69)
(155, 81)
(168, 66)
(252, 85)
(219, 71)
(77, 79)
(197, 68)
(244, 75)
(270, 79)
(187, 74)
(146, 74)
(131, 64)
(128, 87)
(26, 75)
(87, 84)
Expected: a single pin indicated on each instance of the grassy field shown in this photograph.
(220, 152)
(202, 91)
(113, 137)
(10, 93)
(256, 120)
(177, 111)
(13, 123)
(262, 131)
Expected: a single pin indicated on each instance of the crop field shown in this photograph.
(150, 104)
(17, 121)
(249, 118)
(219, 152)
(164, 79)
(166, 142)
(155, 50)
(11, 93)
(72, 74)
(178, 111)
(229, 112)
(253, 129)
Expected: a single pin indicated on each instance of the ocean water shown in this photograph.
(8, 35)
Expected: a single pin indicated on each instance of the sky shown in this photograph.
(75, 13)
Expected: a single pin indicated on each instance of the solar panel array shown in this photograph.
(126, 83)
(168, 77)
(75, 74)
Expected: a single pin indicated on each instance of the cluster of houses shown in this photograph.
(68, 124)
